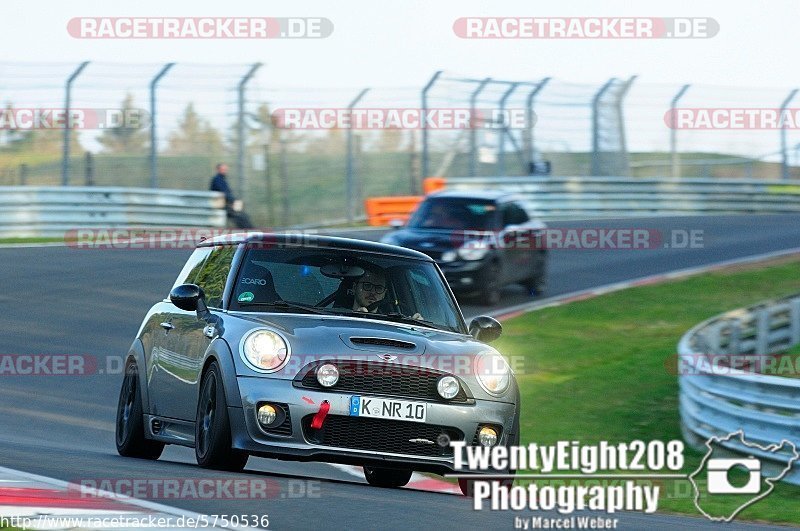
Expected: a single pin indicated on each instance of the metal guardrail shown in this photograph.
(28, 211)
(720, 393)
(598, 197)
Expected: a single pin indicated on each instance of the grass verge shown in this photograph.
(10, 241)
(597, 370)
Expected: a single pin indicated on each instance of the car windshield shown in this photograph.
(454, 214)
(329, 281)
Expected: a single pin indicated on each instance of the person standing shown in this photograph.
(233, 206)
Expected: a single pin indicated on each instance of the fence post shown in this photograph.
(153, 139)
(784, 154)
(240, 137)
(735, 339)
(425, 147)
(673, 132)
(528, 138)
(473, 131)
(762, 332)
(350, 182)
(501, 159)
(284, 183)
(268, 178)
(68, 127)
(623, 142)
(596, 125)
(794, 316)
(89, 169)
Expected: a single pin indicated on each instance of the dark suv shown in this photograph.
(482, 241)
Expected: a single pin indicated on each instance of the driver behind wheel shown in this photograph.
(369, 291)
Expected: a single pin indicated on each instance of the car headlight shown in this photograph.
(327, 375)
(493, 373)
(448, 387)
(264, 350)
(448, 256)
(472, 251)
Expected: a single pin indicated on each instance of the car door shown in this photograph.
(517, 254)
(193, 335)
(161, 342)
(179, 347)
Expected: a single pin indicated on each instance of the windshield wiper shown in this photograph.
(287, 305)
(400, 318)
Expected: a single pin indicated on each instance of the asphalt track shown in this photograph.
(58, 300)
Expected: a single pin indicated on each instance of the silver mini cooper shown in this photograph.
(315, 348)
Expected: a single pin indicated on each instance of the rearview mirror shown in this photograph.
(342, 271)
(484, 328)
(187, 296)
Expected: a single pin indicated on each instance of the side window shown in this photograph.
(521, 215)
(514, 214)
(192, 267)
(214, 274)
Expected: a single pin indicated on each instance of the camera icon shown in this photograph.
(718, 482)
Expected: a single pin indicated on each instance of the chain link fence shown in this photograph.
(167, 125)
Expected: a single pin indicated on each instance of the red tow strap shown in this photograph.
(319, 418)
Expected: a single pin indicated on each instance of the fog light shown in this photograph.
(267, 415)
(327, 375)
(448, 387)
(487, 436)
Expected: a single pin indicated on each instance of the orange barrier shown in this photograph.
(433, 184)
(382, 210)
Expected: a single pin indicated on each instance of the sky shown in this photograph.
(395, 44)
(395, 47)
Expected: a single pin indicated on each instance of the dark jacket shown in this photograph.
(220, 184)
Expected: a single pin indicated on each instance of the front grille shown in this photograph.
(382, 342)
(383, 379)
(380, 435)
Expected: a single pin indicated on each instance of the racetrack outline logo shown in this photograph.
(770, 480)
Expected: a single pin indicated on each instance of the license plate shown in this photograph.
(387, 408)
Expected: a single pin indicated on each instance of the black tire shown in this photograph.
(130, 438)
(212, 432)
(490, 294)
(387, 477)
(537, 283)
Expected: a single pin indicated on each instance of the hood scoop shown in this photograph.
(384, 344)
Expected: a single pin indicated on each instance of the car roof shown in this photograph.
(313, 241)
(488, 195)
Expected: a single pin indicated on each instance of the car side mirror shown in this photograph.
(485, 328)
(396, 223)
(189, 297)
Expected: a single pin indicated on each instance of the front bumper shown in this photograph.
(467, 276)
(247, 434)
